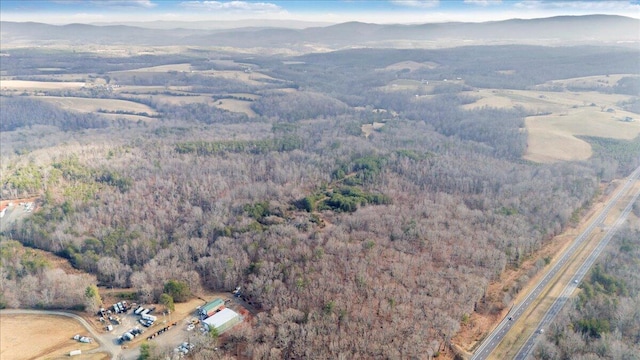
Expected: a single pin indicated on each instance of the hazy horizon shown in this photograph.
(318, 12)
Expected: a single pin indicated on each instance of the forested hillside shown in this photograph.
(351, 246)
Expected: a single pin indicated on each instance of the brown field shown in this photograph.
(552, 137)
(139, 89)
(175, 100)
(230, 63)
(39, 85)
(589, 81)
(367, 129)
(543, 101)
(41, 337)
(234, 105)
(251, 78)
(184, 67)
(405, 84)
(93, 105)
(411, 65)
(246, 95)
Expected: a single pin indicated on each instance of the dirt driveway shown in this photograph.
(106, 341)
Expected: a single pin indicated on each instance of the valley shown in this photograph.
(369, 202)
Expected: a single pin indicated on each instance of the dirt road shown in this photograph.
(106, 341)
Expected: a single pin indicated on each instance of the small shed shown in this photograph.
(223, 320)
(211, 308)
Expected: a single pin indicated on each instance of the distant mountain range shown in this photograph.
(219, 24)
(552, 31)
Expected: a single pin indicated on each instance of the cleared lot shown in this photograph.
(39, 85)
(41, 336)
(95, 105)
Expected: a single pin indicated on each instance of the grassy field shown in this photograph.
(589, 81)
(39, 85)
(185, 67)
(552, 136)
(411, 65)
(406, 84)
(251, 78)
(234, 105)
(175, 100)
(367, 129)
(94, 105)
(543, 101)
(140, 89)
(41, 337)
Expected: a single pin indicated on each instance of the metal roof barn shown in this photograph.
(223, 320)
(210, 308)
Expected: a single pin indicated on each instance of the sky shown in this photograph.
(331, 11)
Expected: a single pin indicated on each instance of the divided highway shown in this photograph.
(491, 342)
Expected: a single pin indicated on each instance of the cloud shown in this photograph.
(586, 5)
(417, 3)
(87, 17)
(261, 7)
(483, 2)
(124, 3)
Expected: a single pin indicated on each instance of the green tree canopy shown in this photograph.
(167, 301)
(178, 290)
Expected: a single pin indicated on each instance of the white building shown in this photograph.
(223, 320)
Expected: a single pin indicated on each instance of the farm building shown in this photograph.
(210, 308)
(223, 320)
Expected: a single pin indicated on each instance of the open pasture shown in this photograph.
(411, 65)
(183, 67)
(250, 78)
(175, 100)
(245, 95)
(41, 337)
(235, 105)
(94, 105)
(552, 137)
(151, 89)
(407, 84)
(543, 101)
(19, 85)
(368, 129)
(588, 81)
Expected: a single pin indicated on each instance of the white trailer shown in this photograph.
(145, 312)
(149, 317)
(139, 310)
(75, 352)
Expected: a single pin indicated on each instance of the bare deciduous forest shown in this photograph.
(350, 246)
